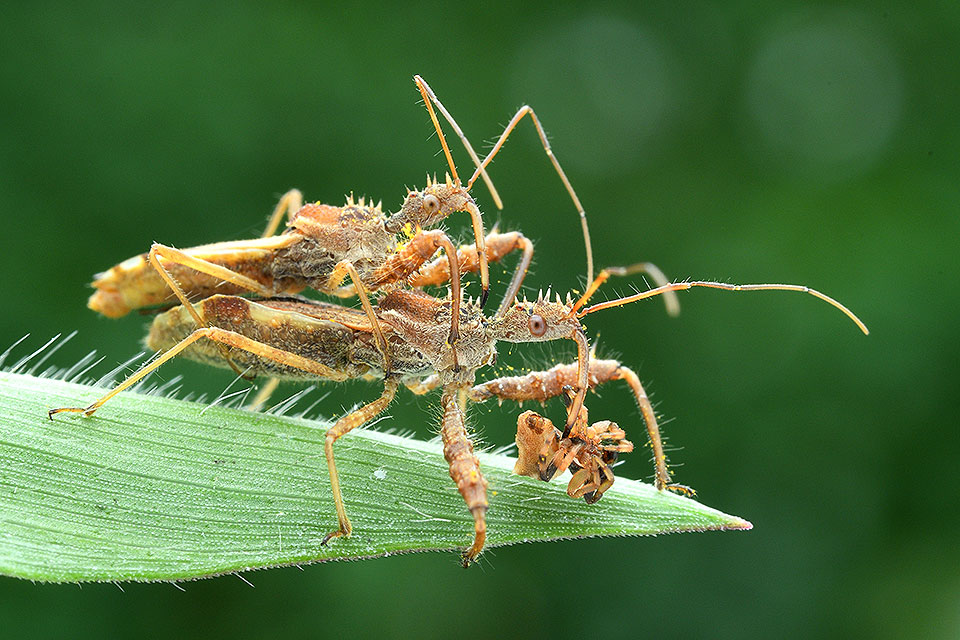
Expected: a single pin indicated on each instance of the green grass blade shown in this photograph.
(153, 488)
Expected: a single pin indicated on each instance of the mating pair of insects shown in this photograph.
(404, 335)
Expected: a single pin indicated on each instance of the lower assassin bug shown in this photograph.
(296, 338)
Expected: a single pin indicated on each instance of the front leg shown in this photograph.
(405, 262)
(464, 468)
(543, 385)
(497, 246)
(343, 269)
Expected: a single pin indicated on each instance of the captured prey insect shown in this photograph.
(297, 338)
(588, 451)
(324, 244)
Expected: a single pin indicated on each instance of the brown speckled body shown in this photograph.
(329, 235)
(318, 238)
(334, 336)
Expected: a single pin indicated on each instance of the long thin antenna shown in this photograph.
(428, 97)
(527, 110)
(670, 298)
(683, 286)
(426, 92)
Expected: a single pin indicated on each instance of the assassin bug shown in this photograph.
(324, 244)
(297, 338)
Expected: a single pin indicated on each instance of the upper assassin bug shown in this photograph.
(323, 244)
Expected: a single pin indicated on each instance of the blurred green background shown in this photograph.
(753, 142)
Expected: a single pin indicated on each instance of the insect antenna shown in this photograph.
(670, 297)
(481, 170)
(683, 286)
(436, 123)
(430, 99)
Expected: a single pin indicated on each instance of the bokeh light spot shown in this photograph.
(825, 94)
(568, 71)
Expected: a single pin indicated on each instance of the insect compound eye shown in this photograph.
(431, 203)
(538, 326)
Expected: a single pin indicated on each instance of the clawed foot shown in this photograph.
(681, 489)
(334, 534)
(86, 411)
(470, 556)
(484, 294)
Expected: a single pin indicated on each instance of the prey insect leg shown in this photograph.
(221, 336)
(343, 426)
(543, 385)
(464, 467)
(594, 483)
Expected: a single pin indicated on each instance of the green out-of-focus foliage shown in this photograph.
(745, 141)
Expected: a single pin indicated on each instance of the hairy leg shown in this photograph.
(498, 245)
(464, 468)
(343, 426)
